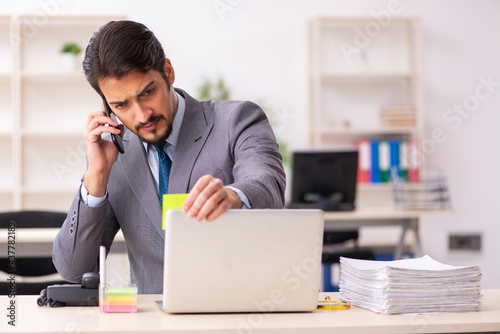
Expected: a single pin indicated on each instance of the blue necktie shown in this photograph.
(164, 170)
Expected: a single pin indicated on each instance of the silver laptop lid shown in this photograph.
(244, 261)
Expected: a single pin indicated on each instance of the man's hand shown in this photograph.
(209, 199)
(101, 154)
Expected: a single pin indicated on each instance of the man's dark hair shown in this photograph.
(120, 47)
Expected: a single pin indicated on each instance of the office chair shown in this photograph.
(33, 266)
(331, 254)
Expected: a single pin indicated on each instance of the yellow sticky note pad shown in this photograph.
(172, 201)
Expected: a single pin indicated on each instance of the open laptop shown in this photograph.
(244, 261)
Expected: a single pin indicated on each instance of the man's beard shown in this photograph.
(159, 137)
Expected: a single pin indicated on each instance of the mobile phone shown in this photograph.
(117, 140)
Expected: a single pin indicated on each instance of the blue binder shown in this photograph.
(376, 177)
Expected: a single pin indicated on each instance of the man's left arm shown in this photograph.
(258, 169)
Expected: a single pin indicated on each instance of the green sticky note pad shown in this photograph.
(172, 201)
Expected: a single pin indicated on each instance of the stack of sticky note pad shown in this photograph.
(420, 285)
(122, 300)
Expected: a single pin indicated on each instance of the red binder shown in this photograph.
(414, 161)
(364, 161)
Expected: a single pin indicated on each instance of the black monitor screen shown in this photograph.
(325, 179)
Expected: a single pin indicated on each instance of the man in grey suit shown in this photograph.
(223, 153)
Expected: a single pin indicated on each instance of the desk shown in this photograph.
(150, 319)
(408, 220)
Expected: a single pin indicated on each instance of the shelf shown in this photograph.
(43, 110)
(6, 49)
(357, 20)
(4, 76)
(50, 190)
(369, 132)
(4, 134)
(374, 186)
(366, 76)
(354, 84)
(350, 86)
(75, 20)
(53, 76)
(52, 133)
(5, 190)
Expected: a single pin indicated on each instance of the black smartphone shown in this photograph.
(117, 140)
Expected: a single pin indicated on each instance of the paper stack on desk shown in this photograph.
(420, 285)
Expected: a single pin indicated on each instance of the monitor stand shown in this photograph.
(323, 206)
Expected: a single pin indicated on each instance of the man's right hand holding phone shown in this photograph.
(101, 154)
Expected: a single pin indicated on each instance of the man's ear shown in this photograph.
(169, 70)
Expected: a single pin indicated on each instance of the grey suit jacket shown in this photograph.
(231, 140)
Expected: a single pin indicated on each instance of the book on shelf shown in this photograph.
(396, 110)
(375, 170)
(413, 161)
(397, 123)
(384, 160)
(397, 116)
(377, 157)
(364, 161)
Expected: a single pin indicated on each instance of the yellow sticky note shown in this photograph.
(172, 201)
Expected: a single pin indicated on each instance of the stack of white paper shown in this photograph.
(420, 285)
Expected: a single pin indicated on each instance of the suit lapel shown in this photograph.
(195, 130)
(136, 169)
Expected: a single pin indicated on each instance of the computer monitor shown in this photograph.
(325, 179)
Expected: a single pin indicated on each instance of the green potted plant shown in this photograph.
(218, 90)
(69, 53)
(214, 90)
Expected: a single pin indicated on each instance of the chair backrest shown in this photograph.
(29, 266)
(32, 219)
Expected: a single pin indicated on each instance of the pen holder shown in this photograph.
(118, 300)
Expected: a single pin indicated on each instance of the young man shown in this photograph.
(223, 153)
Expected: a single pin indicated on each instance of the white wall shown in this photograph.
(260, 48)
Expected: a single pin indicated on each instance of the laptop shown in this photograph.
(244, 261)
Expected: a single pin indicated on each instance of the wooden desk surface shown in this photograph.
(150, 319)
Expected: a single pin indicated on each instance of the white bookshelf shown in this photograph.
(43, 108)
(6, 116)
(351, 79)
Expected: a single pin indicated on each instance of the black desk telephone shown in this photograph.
(86, 294)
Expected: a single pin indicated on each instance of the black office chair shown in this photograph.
(28, 266)
(332, 252)
(354, 252)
